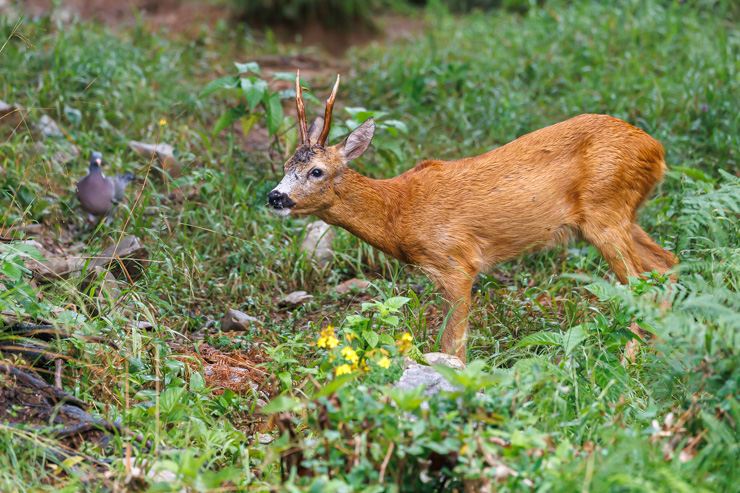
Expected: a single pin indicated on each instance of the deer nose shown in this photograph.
(279, 200)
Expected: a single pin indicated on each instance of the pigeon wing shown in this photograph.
(119, 184)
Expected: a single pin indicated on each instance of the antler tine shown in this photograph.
(302, 123)
(327, 114)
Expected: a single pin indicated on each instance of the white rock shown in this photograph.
(264, 439)
(295, 298)
(444, 359)
(47, 127)
(318, 242)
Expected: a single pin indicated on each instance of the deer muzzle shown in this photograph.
(280, 200)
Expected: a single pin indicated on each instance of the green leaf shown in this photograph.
(355, 321)
(397, 125)
(407, 400)
(395, 303)
(254, 90)
(573, 338)
(228, 82)
(387, 339)
(228, 118)
(281, 404)
(69, 317)
(170, 398)
(289, 76)
(243, 68)
(371, 337)
(694, 173)
(599, 290)
(335, 384)
(289, 132)
(248, 122)
(648, 327)
(285, 378)
(274, 112)
(26, 250)
(525, 365)
(611, 376)
(197, 382)
(360, 114)
(12, 271)
(541, 339)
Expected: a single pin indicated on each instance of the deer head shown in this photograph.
(315, 171)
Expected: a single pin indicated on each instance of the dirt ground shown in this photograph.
(173, 15)
(188, 16)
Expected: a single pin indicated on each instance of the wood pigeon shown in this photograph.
(99, 194)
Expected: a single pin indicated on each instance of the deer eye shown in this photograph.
(316, 172)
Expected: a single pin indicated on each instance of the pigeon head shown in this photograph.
(96, 159)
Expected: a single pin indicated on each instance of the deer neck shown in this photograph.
(369, 209)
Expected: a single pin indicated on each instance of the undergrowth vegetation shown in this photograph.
(544, 403)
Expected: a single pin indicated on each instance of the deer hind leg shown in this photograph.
(652, 255)
(618, 248)
(455, 291)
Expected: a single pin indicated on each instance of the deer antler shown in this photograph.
(327, 115)
(302, 124)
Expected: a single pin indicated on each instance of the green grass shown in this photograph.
(563, 416)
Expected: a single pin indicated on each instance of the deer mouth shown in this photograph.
(280, 202)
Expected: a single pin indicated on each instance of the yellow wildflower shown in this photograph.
(384, 362)
(404, 344)
(162, 122)
(344, 369)
(350, 355)
(327, 338)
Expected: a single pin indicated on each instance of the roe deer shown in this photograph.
(584, 177)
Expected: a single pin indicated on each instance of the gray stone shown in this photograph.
(236, 320)
(295, 298)
(164, 154)
(47, 127)
(318, 242)
(432, 380)
(125, 259)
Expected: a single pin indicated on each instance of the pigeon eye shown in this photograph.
(316, 173)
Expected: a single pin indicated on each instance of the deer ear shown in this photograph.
(314, 131)
(358, 141)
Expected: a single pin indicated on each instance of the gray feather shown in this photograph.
(119, 184)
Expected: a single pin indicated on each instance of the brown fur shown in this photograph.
(585, 176)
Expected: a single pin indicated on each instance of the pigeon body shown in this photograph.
(99, 194)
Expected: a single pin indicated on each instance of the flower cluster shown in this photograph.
(350, 355)
(358, 359)
(405, 343)
(327, 339)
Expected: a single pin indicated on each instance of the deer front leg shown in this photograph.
(455, 292)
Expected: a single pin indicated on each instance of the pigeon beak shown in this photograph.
(98, 162)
